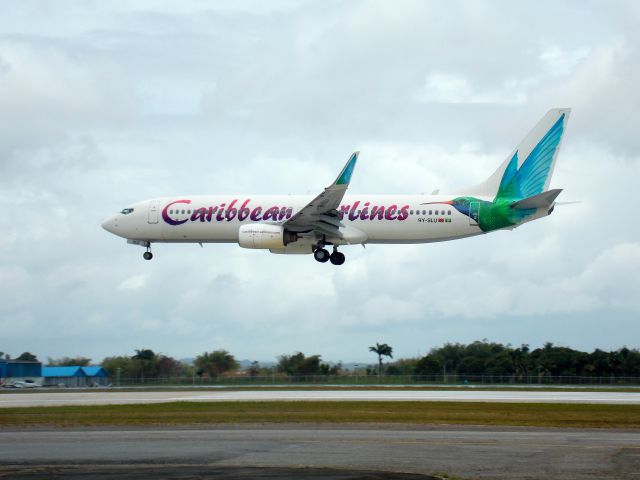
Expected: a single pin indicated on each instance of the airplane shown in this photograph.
(516, 193)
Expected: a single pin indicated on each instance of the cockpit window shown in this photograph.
(126, 211)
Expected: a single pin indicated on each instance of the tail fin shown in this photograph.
(527, 170)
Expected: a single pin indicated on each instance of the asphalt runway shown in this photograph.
(321, 452)
(32, 399)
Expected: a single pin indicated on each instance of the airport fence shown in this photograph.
(382, 380)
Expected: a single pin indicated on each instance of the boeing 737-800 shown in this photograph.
(516, 193)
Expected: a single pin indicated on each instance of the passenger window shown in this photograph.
(424, 212)
(182, 211)
(430, 212)
(449, 212)
(410, 212)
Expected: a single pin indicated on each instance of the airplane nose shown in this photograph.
(109, 224)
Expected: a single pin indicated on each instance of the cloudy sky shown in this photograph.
(106, 103)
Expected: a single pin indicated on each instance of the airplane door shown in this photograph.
(474, 213)
(153, 211)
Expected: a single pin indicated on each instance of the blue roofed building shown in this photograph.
(64, 377)
(96, 376)
(18, 371)
(17, 368)
(75, 376)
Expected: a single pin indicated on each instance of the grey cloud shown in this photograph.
(104, 105)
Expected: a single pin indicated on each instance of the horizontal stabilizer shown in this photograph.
(544, 199)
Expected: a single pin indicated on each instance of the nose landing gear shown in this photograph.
(148, 255)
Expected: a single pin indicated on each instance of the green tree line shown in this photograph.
(147, 364)
(488, 358)
(473, 359)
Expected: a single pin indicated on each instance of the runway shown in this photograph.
(33, 399)
(467, 452)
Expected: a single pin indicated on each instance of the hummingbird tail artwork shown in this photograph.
(517, 192)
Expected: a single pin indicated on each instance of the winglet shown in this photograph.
(345, 175)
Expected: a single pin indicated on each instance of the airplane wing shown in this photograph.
(321, 214)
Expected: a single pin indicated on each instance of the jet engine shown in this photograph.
(262, 235)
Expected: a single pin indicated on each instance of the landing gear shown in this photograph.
(337, 258)
(321, 255)
(148, 255)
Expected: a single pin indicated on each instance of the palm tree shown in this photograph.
(380, 350)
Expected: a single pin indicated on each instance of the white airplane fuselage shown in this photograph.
(217, 218)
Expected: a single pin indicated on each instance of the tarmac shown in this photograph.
(308, 451)
(372, 452)
(105, 397)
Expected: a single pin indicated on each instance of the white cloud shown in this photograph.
(613, 277)
(450, 88)
(553, 64)
(105, 105)
(560, 62)
(133, 283)
(47, 87)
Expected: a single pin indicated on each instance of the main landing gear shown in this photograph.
(337, 258)
(148, 255)
(322, 255)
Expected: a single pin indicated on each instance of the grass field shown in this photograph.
(368, 412)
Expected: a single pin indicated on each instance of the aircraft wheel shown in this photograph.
(321, 255)
(147, 255)
(337, 258)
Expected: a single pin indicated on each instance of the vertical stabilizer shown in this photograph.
(527, 170)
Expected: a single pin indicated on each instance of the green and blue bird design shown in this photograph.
(516, 184)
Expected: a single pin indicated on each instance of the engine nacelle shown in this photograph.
(304, 246)
(263, 235)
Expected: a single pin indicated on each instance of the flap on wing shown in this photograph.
(544, 199)
(321, 213)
